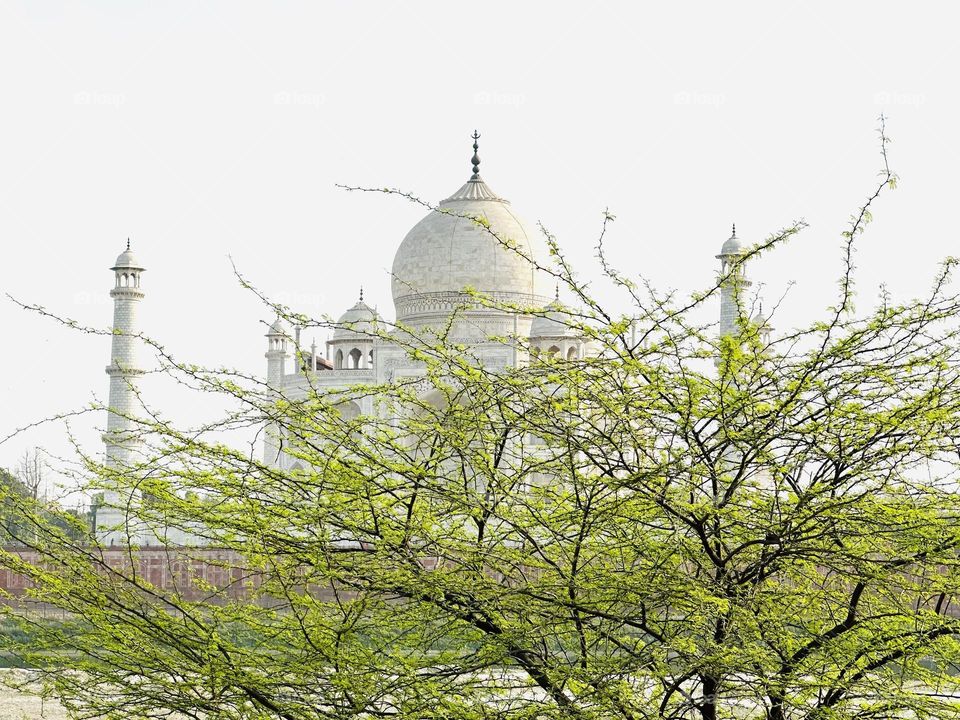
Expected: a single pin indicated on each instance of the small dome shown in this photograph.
(761, 321)
(360, 320)
(553, 324)
(279, 327)
(732, 246)
(127, 260)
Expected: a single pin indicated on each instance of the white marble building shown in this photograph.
(442, 256)
(439, 259)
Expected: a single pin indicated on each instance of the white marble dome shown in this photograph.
(278, 328)
(732, 246)
(126, 260)
(358, 321)
(447, 252)
(761, 321)
(553, 324)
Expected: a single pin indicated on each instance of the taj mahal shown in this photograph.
(473, 243)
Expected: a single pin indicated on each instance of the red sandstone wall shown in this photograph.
(187, 571)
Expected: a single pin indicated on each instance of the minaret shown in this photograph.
(734, 283)
(276, 355)
(122, 443)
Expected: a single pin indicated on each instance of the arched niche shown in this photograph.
(348, 410)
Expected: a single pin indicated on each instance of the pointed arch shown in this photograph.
(356, 358)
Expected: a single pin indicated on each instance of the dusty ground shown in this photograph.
(16, 706)
(24, 706)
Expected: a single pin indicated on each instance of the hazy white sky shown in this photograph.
(204, 130)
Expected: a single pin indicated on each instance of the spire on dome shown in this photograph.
(361, 293)
(128, 243)
(475, 188)
(476, 158)
(734, 233)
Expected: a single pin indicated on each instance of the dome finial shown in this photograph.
(476, 158)
(128, 243)
(734, 234)
(556, 292)
(361, 293)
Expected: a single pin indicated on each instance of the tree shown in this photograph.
(13, 487)
(25, 484)
(676, 526)
(30, 471)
